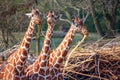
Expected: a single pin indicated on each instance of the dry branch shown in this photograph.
(95, 61)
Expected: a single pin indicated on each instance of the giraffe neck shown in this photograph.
(63, 48)
(41, 64)
(57, 55)
(16, 62)
(44, 55)
(25, 44)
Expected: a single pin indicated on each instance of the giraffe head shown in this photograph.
(80, 27)
(35, 16)
(51, 18)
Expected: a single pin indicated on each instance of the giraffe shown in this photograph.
(14, 69)
(57, 55)
(39, 70)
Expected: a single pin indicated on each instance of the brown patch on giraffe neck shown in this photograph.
(23, 51)
(67, 41)
(36, 67)
(64, 47)
(25, 44)
(28, 36)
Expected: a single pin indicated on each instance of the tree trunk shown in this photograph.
(38, 35)
(113, 14)
(110, 18)
(110, 32)
(95, 19)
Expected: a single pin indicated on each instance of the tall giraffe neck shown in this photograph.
(62, 50)
(57, 56)
(43, 58)
(14, 69)
(64, 47)
(40, 66)
(25, 44)
(46, 46)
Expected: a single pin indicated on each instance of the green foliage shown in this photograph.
(90, 25)
(118, 20)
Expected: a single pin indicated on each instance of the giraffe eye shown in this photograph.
(76, 24)
(32, 15)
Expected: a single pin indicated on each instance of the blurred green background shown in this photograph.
(102, 19)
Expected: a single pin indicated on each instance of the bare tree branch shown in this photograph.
(66, 20)
(78, 10)
(84, 19)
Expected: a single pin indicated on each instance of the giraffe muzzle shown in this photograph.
(38, 22)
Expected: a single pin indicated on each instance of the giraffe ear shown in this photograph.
(29, 15)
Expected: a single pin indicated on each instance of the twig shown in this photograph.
(74, 50)
(84, 19)
(76, 65)
(70, 77)
(98, 66)
(87, 75)
(78, 10)
(66, 20)
(110, 41)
